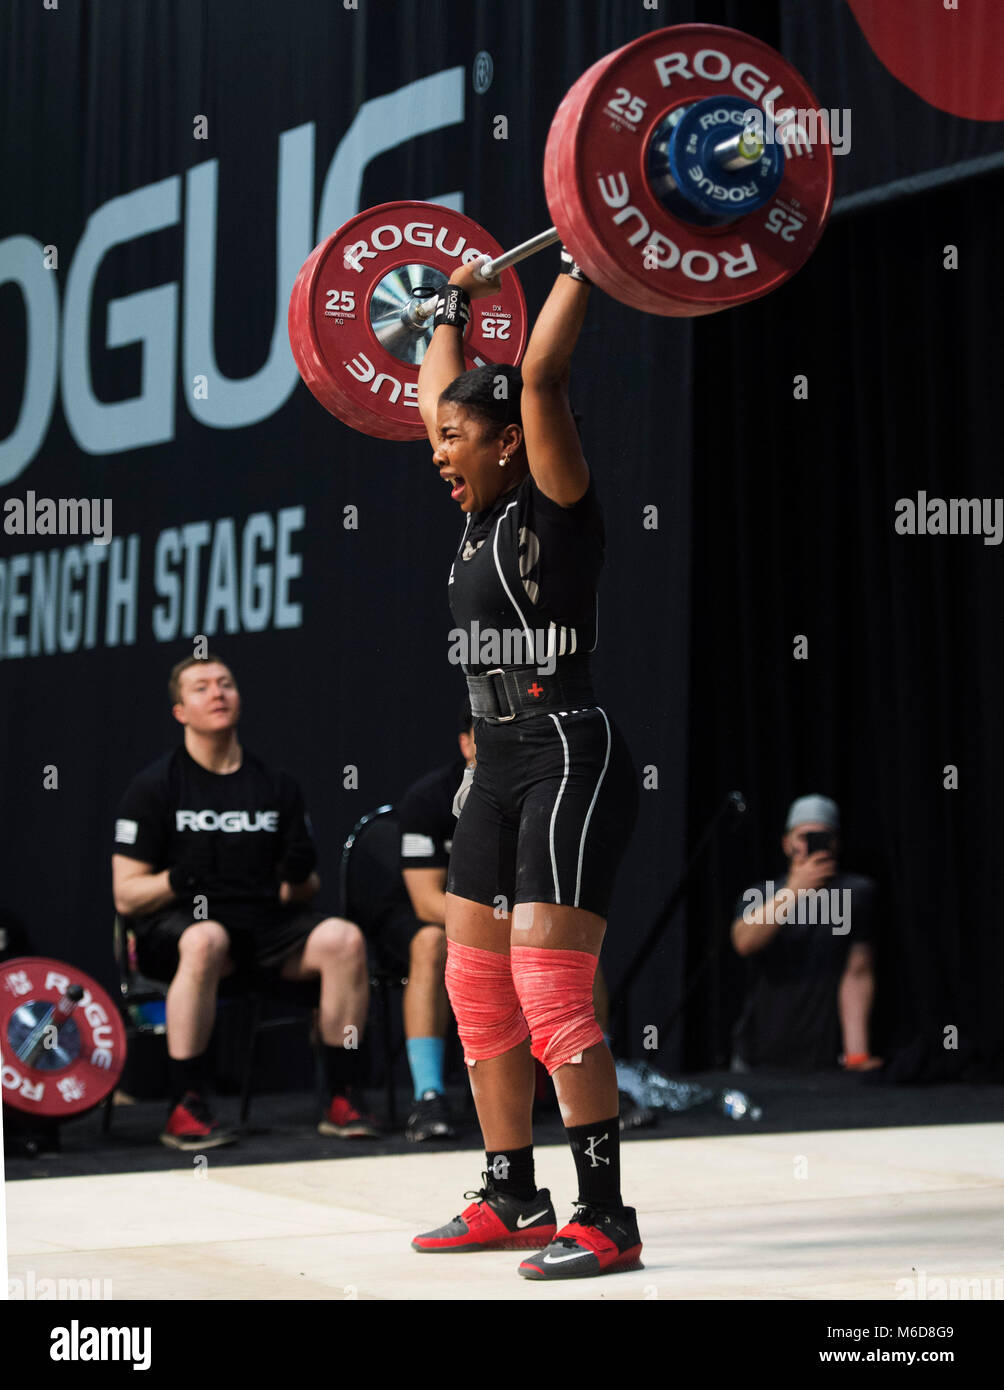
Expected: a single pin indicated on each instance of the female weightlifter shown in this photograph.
(554, 796)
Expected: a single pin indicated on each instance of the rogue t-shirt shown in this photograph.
(240, 833)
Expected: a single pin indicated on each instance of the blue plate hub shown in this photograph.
(691, 180)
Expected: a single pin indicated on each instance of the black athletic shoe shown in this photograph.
(635, 1116)
(430, 1119)
(496, 1221)
(595, 1242)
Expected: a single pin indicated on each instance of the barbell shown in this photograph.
(676, 173)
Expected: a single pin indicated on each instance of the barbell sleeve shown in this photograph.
(739, 151)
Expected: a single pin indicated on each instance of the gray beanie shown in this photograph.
(813, 808)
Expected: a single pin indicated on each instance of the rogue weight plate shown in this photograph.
(62, 1041)
(350, 329)
(599, 184)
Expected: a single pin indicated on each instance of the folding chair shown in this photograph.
(139, 997)
(369, 876)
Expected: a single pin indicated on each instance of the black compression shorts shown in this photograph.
(253, 950)
(549, 814)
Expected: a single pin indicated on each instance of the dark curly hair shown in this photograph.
(481, 393)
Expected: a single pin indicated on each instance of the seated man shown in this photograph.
(808, 939)
(214, 863)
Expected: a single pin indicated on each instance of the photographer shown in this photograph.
(808, 942)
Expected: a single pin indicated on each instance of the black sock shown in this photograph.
(187, 1075)
(597, 1153)
(340, 1068)
(511, 1171)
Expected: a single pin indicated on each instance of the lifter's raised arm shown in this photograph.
(443, 362)
(553, 449)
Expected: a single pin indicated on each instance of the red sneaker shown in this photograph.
(496, 1221)
(596, 1242)
(191, 1126)
(344, 1121)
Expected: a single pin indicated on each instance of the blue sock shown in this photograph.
(425, 1057)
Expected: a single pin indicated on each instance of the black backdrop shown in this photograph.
(904, 665)
(775, 514)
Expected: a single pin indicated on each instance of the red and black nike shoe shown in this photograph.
(190, 1125)
(496, 1221)
(596, 1242)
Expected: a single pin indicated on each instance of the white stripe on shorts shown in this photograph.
(599, 783)
(554, 813)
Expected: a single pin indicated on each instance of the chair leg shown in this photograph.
(249, 1060)
(320, 1079)
(388, 1059)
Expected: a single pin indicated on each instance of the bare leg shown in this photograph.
(502, 1086)
(203, 960)
(425, 1001)
(336, 950)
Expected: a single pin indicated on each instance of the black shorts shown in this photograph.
(255, 948)
(549, 814)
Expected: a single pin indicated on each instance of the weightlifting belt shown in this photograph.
(503, 695)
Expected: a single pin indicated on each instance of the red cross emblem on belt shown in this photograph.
(535, 690)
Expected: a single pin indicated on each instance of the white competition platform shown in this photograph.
(820, 1215)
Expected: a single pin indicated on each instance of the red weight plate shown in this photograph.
(603, 270)
(950, 58)
(352, 345)
(66, 1071)
(598, 145)
(308, 361)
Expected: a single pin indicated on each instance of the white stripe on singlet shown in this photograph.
(495, 552)
(467, 527)
(554, 812)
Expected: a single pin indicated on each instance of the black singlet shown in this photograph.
(527, 566)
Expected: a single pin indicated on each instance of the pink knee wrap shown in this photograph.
(555, 991)
(484, 1001)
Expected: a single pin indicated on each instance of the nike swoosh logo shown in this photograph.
(559, 1259)
(522, 1221)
